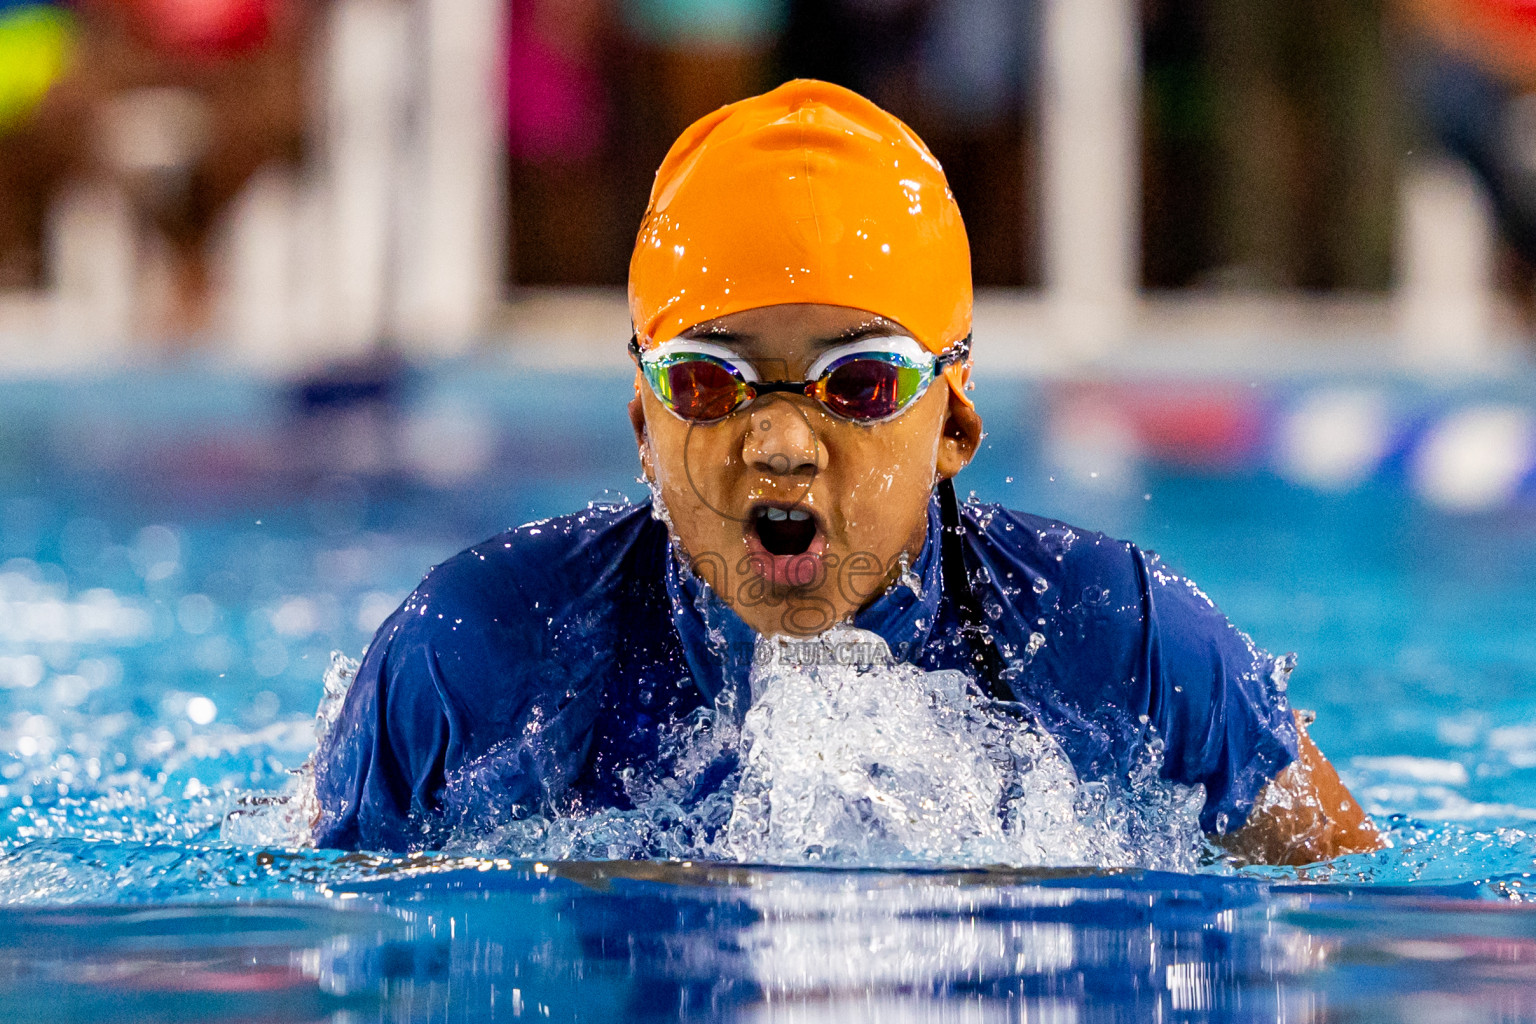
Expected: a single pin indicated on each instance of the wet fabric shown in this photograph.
(540, 672)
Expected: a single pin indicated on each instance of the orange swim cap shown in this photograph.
(808, 193)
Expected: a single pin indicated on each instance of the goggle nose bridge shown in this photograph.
(782, 387)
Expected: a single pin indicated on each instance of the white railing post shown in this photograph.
(1091, 180)
(456, 223)
(1444, 300)
(366, 77)
(93, 259)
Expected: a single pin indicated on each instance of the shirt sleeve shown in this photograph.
(378, 771)
(1215, 699)
(457, 718)
(1112, 649)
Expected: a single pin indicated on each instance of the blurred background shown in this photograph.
(285, 184)
(300, 296)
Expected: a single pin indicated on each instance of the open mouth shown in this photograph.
(784, 530)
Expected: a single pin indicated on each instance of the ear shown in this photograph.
(636, 410)
(961, 438)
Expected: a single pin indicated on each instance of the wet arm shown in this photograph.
(1304, 816)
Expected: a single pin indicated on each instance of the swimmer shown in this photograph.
(800, 293)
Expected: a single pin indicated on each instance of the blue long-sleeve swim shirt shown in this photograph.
(536, 672)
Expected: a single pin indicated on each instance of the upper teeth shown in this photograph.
(793, 514)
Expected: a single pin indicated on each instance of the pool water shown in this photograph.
(181, 552)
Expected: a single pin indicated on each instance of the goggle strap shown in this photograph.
(959, 352)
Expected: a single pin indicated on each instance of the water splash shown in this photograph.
(284, 819)
(865, 761)
(838, 761)
(846, 757)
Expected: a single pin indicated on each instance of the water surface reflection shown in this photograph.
(456, 939)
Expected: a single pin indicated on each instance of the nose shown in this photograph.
(782, 442)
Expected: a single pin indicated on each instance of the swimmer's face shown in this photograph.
(797, 517)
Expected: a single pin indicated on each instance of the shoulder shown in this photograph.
(501, 608)
(1092, 577)
(521, 623)
(507, 632)
(1049, 555)
(543, 564)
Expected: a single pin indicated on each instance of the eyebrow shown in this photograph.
(879, 329)
(719, 334)
(876, 329)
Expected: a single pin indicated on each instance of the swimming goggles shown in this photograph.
(867, 381)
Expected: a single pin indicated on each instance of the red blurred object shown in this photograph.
(1198, 429)
(1217, 427)
(556, 107)
(1523, 11)
(206, 29)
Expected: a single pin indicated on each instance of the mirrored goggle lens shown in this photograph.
(870, 386)
(697, 387)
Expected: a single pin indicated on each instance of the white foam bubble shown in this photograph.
(885, 763)
(844, 757)
(284, 819)
(847, 759)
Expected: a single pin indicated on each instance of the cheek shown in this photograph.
(888, 491)
(665, 449)
(668, 443)
(900, 457)
(689, 465)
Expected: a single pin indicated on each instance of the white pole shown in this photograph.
(455, 214)
(364, 124)
(260, 262)
(1091, 179)
(93, 259)
(1445, 266)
